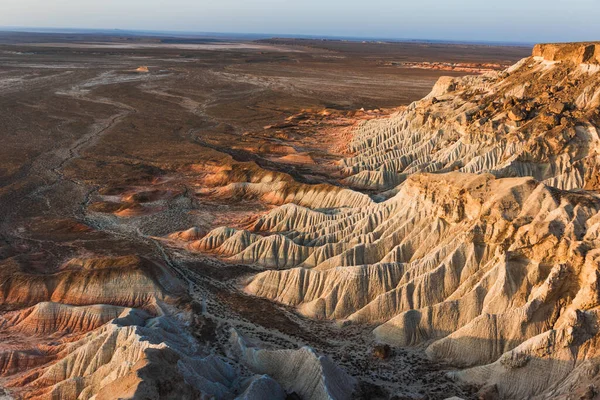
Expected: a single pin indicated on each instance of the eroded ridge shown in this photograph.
(482, 245)
(538, 118)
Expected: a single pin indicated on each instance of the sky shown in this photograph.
(466, 20)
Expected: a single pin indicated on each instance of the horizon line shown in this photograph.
(258, 35)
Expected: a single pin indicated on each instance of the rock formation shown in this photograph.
(299, 371)
(466, 226)
(92, 281)
(482, 240)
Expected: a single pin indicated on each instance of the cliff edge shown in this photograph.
(579, 53)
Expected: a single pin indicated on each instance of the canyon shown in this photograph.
(298, 219)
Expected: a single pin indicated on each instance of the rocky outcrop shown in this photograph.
(134, 356)
(561, 363)
(536, 119)
(479, 242)
(246, 181)
(578, 53)
(474, 264)
(278, 193)
(47, 318)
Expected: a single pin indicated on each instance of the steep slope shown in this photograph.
(103, 291)
(475, 244)
(301, 371)
(538, 118)
(483, 245)
(107, 352)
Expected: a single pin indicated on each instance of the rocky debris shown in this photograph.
(492, 123)
(517, 113)
(549, 118)
(447, 66)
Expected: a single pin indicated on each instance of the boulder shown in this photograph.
(517, 114)
(557, 107)
(382, 351)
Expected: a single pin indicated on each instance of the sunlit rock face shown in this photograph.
(577, 53)
(482, 242)
(538, 118)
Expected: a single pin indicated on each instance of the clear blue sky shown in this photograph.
(495, 20)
